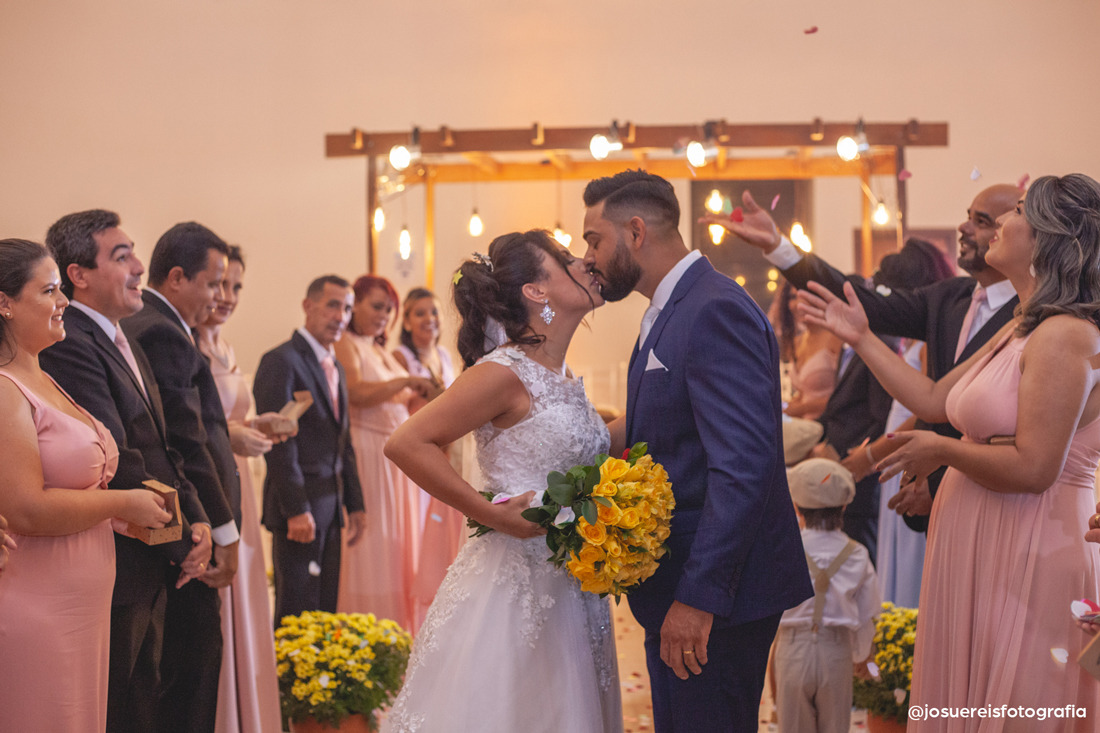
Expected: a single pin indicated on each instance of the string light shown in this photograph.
(717, 231)
(404, 243)
(714, 202)
(564, 238)
(379, 219)
(476, 226)
(881, 215)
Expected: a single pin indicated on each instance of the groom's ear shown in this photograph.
(636, 229)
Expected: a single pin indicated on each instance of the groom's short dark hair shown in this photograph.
(634, 191)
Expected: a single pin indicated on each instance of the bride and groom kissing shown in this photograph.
(508, 630)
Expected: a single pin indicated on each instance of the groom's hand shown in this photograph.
(684, 636)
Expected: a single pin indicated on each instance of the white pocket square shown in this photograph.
(654, 363)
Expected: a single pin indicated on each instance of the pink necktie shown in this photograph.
(976, 299)
(328, 364)
(128, 354)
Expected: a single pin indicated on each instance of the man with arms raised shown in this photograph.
(110, 376)
(954, 317)
(703, 391)
(312, 477)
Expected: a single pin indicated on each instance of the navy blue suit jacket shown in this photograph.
(320, 460)
(711, 416)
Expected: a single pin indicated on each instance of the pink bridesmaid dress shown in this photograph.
(1000, 571)
(248, 688)
(55, 596)
(377, 573)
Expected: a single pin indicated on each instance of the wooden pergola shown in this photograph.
(537, 153)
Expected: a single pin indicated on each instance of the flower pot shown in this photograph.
(876, 724)
(354, 723)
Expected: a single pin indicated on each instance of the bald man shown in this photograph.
(934, 314)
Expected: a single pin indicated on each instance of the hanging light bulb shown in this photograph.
(773, 274)
(601, 146)
(881, 215)
(404, 243)
(740, 280)
(799, 238)
(400, 157)
(772, 286)
(564, 238)
(714, 202)
(717, 231)
(379, 219)
(696, 154)
(846, 148)
(476, 226)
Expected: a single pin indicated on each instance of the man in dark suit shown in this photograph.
(185, 275)
(703, 391)
(935, 314)
(111, 377)
(312, 477)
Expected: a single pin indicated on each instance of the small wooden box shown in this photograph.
(1089, 658)
(290, 413)
(172, 531)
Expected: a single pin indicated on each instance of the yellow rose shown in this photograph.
(613, 469)
(612, 548)
(590, 555)
(604, 488)
(629, 518)
(593, 534)
(609, 515)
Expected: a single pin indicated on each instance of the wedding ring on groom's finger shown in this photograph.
(688, 651)
(1094, 521)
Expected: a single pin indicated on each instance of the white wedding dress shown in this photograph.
(511, 644)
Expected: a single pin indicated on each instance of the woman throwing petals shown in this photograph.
(1005, 556)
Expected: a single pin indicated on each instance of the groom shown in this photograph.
(703, 391)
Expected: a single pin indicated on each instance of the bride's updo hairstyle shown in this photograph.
(493, 288)
(1064, 213)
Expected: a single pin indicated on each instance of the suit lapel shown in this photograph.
(104, 344)
(1003, 315)
(320, 381)
(640, 358)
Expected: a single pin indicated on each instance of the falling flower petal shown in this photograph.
(904, 175)
(737, 215)
(314, 568)
(1085, 610)
(899, 695)
(1022, 183)
(1060, 655)
(775, 201)
(323, 680)
(500, 498)
(811, 29)
(883, 290)
(727, 205)
(975, 174)
(873, 669)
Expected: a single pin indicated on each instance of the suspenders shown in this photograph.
(822, 578)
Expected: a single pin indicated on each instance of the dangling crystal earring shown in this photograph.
(547, 312)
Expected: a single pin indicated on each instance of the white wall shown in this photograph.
(216, 110)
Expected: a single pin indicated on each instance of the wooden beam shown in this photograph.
(484, 162)
(358, 142)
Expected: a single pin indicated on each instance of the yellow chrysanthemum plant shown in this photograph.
(607, 523)
(885, 689)
(332, 665)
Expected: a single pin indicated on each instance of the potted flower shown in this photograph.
(336, 670)
(884, 691)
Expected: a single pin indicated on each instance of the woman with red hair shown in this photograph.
(377, 573)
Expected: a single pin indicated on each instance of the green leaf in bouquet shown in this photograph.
(535, 514)
(592, 478)
(637, 451)
(603, 500)
(562, 494)
(577, 473)
(556, 477)
(588, 511)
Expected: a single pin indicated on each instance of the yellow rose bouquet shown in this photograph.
(884, 690)
(333, 665)
(607, 522)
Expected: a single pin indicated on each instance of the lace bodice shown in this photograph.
(561, 430)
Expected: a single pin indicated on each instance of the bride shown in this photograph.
(510, 642)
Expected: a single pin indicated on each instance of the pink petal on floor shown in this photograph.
(775, 201)
(1022, 183)
(904, 175)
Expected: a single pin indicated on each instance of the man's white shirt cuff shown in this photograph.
(785, 256)
(226, 534)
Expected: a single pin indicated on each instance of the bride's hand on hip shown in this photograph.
(846, 319)
(507, 517)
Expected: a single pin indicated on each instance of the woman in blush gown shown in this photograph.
(815, 352)
(511, 643)
(442, 528)
(55, 594)
(248, 688)
(1005, 553)
(377, 573)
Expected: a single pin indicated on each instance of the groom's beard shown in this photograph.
(621, 275)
